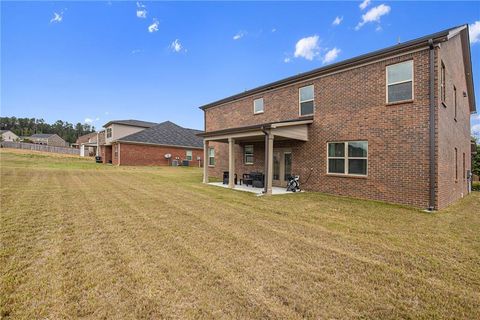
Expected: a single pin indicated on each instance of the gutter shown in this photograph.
(432, 123)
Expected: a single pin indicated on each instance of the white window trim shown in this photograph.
(191, 155)
(346, 158)
(263, 106)
(399, 82)
(300, 101)
(245, 154)
(209, 157)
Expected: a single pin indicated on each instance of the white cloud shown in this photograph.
(239, 35)
(373, 15)
(97, 118)
(274, 30)
(476, 130)
(88, 120)
(141, 13)
(107, 113)
(331, 55)
(286, 60)
(307, 48)
(135, 51)
(474, 32)
(57, 17)
(364, 4)
(337, 21)
(154, 26)
(176, 46)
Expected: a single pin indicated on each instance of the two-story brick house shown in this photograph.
(141, 143)
(391, 125)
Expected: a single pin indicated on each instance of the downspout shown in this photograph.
(432, 125)
(266, 133)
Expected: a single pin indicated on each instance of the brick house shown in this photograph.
(161, 144)
(392, 125)
(49, 139)
(87, 144)
(117, 129)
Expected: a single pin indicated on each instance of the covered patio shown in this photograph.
(257, 191)
(289, 131)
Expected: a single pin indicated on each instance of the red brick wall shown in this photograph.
(149, 155)
(452, 134)
(350, 105)
(106, 153)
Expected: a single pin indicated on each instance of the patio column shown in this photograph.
(269, 181)
(205, 161)
(231, 163)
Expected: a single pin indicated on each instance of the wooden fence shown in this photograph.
(39, 147)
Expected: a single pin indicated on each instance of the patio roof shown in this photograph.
(290, 129)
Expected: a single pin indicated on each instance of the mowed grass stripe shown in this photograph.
(374, 272)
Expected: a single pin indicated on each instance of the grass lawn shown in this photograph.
(80, 239)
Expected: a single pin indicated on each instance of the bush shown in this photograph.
(476, 186)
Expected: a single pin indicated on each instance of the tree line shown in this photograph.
(28, 126)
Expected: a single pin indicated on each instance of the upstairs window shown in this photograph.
(248, 157)
(306, 100)
(442, 83)
(211, 156)
(109, 132)
(188, 155)
(349, 158)
(258, 106)
(400, 82)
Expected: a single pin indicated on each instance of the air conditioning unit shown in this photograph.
(174, 163)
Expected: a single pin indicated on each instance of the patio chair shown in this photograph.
(226, 176)
(257, 179)
(246, 179)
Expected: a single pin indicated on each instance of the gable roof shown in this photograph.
(372, 56)
(4, 131)
(168, 134)
(131, 122)
(42, 135)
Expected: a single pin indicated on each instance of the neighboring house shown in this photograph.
(8, 135)
(87, 144)
(117, 129)
(49, 139)
(392, 125)
(151, 145)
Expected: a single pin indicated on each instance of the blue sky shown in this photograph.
(155, 61)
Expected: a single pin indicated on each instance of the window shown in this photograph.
(211, 156)
(442, 84)
(455, 102)
(189, 155)
(400, 82)
(248, 155)
(348, 158)
(456, 165)
(258, 106)
(109, 132)
(306, 100)
(116, 151)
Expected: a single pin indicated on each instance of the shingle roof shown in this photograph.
(3, 131)
(131, 122)
(167, 133)
(42, 135)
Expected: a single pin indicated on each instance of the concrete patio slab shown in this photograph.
(257, 191)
